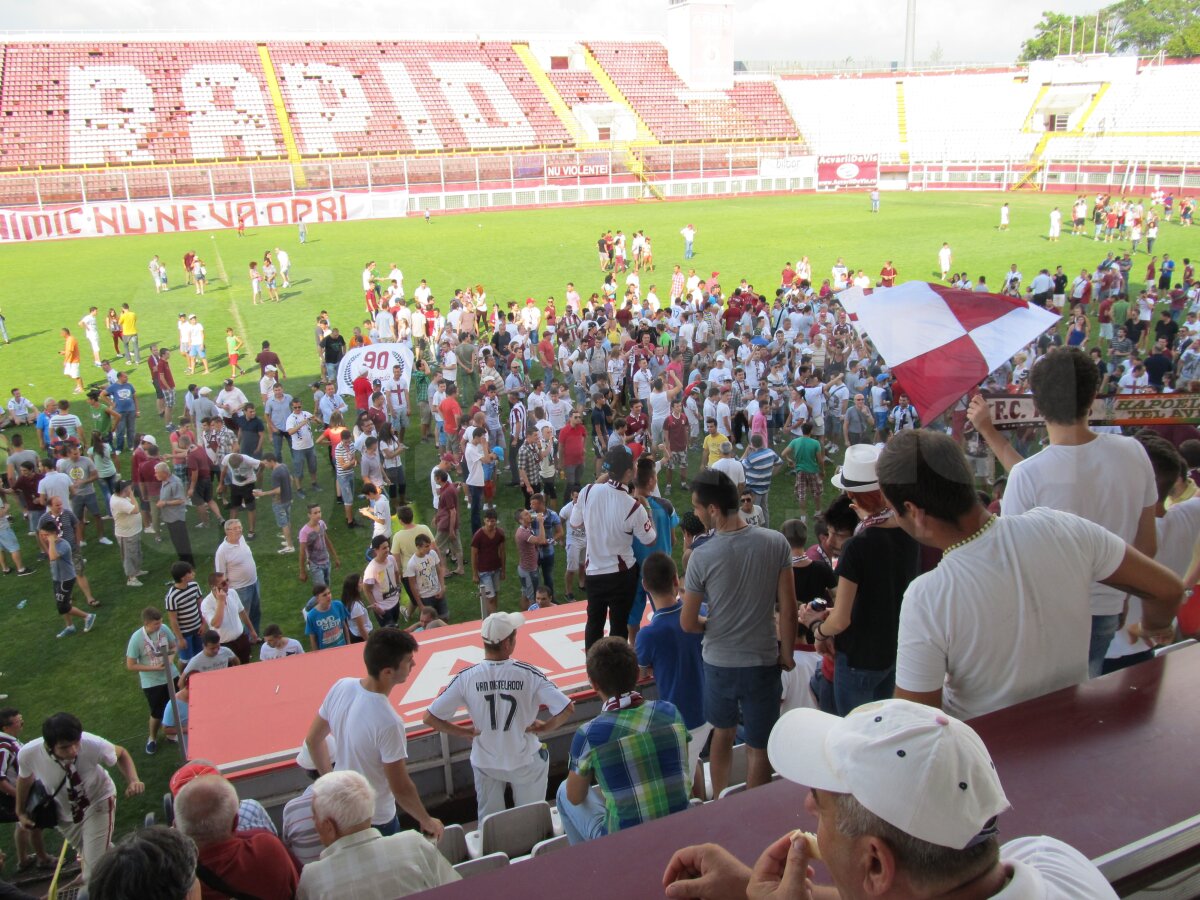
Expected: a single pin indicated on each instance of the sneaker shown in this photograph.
(142, 572)
(151, 748)
(300, 494)
(251, 536)
(132, 582)
(353, 525)
(25, 571)
(149, 529)
(200, 525)
(89, 623)
(66, 632)
(286, 549)
(107, 542)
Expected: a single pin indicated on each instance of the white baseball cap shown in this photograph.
(149, 439)
(498, 626)
(912, 765)
(270, 369)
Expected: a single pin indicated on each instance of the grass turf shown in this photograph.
(514, 254)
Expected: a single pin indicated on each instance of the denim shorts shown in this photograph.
(490, 582)
(283, 513)
(754, 691)
(8, 539)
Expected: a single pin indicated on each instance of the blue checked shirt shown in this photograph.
(639, 759)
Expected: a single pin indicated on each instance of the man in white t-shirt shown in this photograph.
(502, 696)
(1104, 478)
(92, 332)
(368, 733)
(70, 763)
(1006, 615)
(904, 796)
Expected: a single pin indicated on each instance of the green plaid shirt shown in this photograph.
(639, 759)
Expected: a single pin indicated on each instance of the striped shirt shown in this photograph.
(516, 421)
(185, 603)
(344, 459)
(638, 756)
(759, 466)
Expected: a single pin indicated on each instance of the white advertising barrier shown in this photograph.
(788, 167)
(19, 224)
(378, 360)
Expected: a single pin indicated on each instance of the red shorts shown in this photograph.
(233, 358)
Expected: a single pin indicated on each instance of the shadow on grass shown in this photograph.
(27, 336)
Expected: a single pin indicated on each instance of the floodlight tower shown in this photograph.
(910, 35)
(700, 42)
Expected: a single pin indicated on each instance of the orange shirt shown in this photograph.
(451, 412)
(71, 350)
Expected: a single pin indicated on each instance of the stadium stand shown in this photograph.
(845, 115)
(640, 70)
(96, 103)
(577, 86)
(1156, 100)
(968, 117)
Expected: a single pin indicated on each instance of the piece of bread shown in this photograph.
(814, 850)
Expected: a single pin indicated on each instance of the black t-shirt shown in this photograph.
(1157, 365)
(881, 561)
(248, 432)
(814, 581)
(1166, 329)
(334, 347)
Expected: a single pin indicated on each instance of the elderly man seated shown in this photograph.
(357, 860)
(231, 863)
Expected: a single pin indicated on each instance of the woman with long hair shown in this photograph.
(127, 528)
(101, 454)
(360, 621)
(113, 323)
(391, 449)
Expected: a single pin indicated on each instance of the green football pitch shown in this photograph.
(531, 253)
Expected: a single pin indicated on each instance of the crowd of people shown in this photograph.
(642, 424)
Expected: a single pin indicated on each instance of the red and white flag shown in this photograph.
(940, 342)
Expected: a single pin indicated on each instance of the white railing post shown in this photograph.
(82, 190)
(125, 178)
(170, 187)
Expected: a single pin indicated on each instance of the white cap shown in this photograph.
(912, 765)
(304, 759)
(498, 626)
(270, 369)
(149, 439)
(857, 472)
(204, 391)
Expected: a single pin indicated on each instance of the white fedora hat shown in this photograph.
(857, 473)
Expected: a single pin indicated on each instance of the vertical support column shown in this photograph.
(82, 189)
(170, 188)
(125, 178)
(212, 188)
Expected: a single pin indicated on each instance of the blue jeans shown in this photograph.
(823, 691)
(854, 687)
(190, 645)
(529, 583)
(301, 458)
(252, 604)
(319, 574)
(546, 564)
(331, 371)
(387, 829)
(1103, 629)
(687, 250)
(277, 443)
(584, 822)
(126, 431)
(346, 488)
(475, 498)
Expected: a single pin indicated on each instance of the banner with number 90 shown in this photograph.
(378, 360)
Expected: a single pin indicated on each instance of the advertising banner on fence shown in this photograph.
(378, 360)
(1009, 411)
(787, 167)
(194, 215)
(849, 170)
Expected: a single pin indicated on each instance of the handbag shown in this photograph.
(40, 805)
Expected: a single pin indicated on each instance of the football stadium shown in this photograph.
(652, 471)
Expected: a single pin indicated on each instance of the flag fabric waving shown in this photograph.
(940, 342)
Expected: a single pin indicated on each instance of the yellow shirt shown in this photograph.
(128, 321)
(404, 543)
(712, 447)
(1189, 491)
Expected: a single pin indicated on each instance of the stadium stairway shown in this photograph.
(1087, 113)
(553, 97)
(281, 113)
(902, 122)
(644, 134)
(1034, 107)
(635, 166)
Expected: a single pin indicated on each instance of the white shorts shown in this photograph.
(71, 370)
(575, 556)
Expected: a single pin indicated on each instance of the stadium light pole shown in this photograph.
(910, 35)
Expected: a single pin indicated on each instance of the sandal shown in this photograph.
(7, 571)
